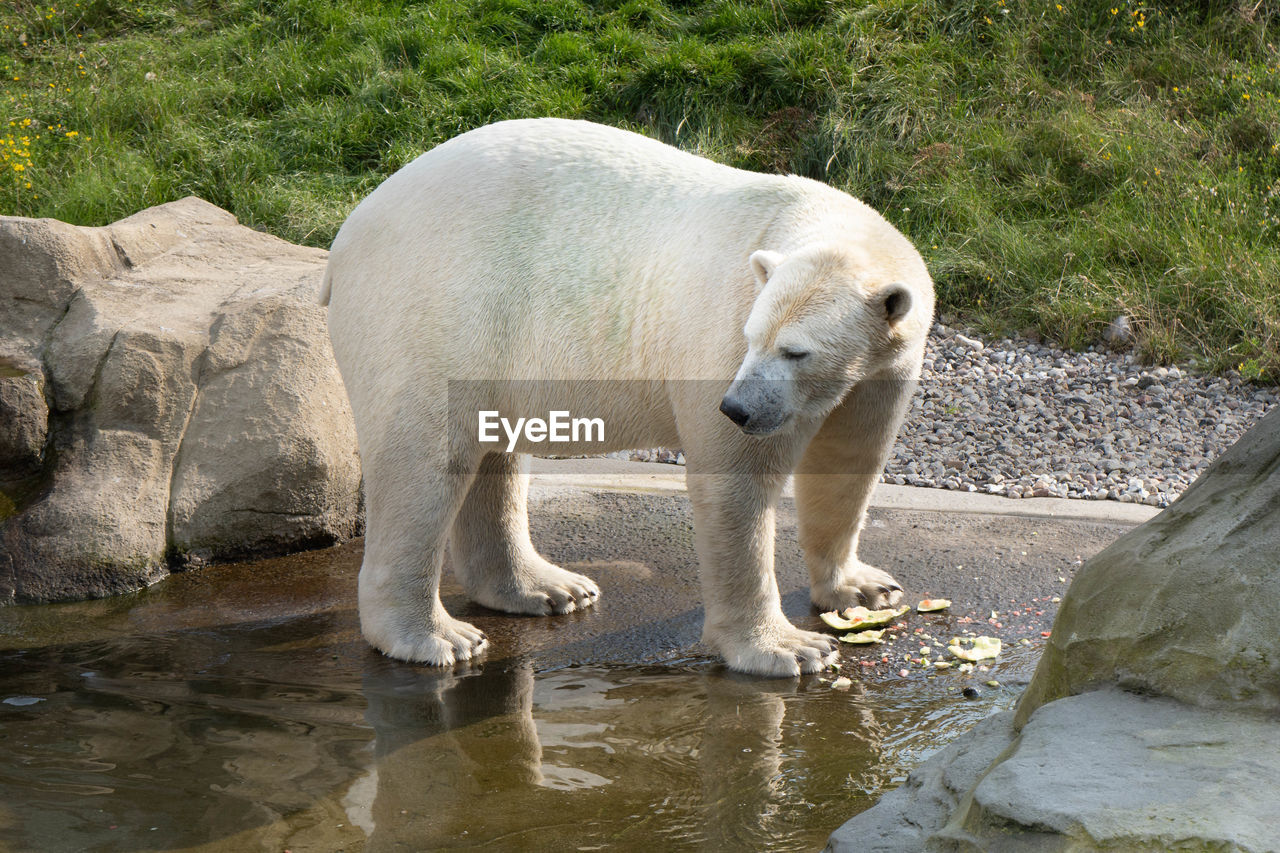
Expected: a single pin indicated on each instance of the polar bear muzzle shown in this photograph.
(762, 397)
(758, 407)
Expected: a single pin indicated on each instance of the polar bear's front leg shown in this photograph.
(733, 519)
(493, 556)
(833, 483)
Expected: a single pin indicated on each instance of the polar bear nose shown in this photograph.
(733, 410)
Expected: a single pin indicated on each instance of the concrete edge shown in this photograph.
(617, 475)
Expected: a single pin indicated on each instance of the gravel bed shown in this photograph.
(1020, 419)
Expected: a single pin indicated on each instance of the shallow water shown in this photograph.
(164, 721)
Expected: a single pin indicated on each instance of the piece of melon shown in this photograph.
(863, 637)
(974, 648)
(858, 618)
(931, 605)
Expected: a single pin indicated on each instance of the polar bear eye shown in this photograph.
(793, 354)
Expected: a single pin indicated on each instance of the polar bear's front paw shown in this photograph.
(859, 585)
(783, 652)
(539, 588)
(444, 643)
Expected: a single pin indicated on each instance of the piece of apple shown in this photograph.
(858, 618)
(974, 648)
(863, 637)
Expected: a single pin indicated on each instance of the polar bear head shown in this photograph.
(824, 318)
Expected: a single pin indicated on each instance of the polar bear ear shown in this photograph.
(763, 264)
(896, 299)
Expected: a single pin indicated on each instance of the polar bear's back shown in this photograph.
(553, 155)
(581, 144)
(552, 184)
(570, 243)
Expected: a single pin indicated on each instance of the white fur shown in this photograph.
(559, 250)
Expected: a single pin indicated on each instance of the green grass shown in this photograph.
(1056, 165)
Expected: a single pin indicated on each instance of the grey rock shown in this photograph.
(24, 419)
(1108, 770)
(42, 261)
(1185, 605)
(1116, 771)
(1151, 722)
(193, 408)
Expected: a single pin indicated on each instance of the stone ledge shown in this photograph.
(1106, 770)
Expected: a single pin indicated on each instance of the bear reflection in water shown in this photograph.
(698, 756)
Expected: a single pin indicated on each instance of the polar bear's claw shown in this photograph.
(861, 585)
(540, 589)
(791, 654)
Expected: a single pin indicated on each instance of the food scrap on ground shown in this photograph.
(974, 648)
(858, 618)
(842, 683)
(863, 637)
(913, 648)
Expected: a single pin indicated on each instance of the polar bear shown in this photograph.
(768, 325)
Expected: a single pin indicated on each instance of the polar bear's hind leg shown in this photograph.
(412, 500)
(493, 555)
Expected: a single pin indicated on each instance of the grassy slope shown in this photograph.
(1056, 163)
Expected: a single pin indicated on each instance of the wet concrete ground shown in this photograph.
(237, 708)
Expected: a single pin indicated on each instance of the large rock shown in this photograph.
(1106, 770)
(167, 395)
(1188, 604)
(1151, 722)
(24, 419)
